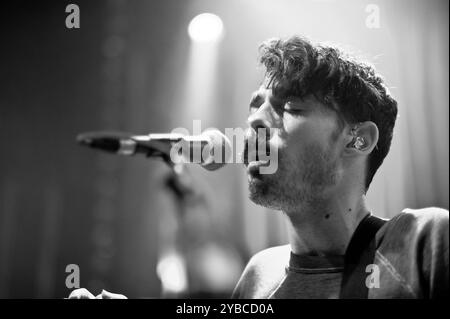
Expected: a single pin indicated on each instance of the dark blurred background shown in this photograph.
(131, 66)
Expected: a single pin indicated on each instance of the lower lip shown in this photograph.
(253, 166)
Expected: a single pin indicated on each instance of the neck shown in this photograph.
(326, 226)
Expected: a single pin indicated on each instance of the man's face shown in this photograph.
(309, 142)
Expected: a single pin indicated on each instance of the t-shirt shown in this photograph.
(411, 261)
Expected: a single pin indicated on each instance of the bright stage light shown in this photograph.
(205, 27)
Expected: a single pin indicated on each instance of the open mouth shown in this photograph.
(256, 154)
(254, 167)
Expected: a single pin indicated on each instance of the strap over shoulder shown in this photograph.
(359, 254)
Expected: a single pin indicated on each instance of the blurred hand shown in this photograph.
(109, 295)
(83, 293)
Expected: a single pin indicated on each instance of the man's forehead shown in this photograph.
(264, 91)
(267, 86)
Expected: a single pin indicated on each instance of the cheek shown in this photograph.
(297, 133)
(313, 129)
(290, 145)
(294, 135)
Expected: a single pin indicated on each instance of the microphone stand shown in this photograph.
(180, 186)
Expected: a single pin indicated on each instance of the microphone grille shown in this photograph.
(220, 149)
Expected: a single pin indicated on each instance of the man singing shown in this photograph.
(331, 118)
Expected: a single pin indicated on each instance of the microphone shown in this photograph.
(211, 149)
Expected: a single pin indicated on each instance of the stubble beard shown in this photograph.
(303, 180)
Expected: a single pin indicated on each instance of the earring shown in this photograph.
(359, 142)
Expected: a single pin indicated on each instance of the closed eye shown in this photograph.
(286, 106)
(294, 106)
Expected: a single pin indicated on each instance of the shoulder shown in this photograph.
(415, 247)
(430, 221)
(268, 261)
(433, 215)
(263, 272)
(270, 257)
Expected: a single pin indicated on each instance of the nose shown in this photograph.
(260, 121)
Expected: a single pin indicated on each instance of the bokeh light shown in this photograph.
(205, 27)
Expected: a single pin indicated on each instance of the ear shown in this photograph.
(362, 138)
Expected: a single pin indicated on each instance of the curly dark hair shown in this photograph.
(295, 67)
